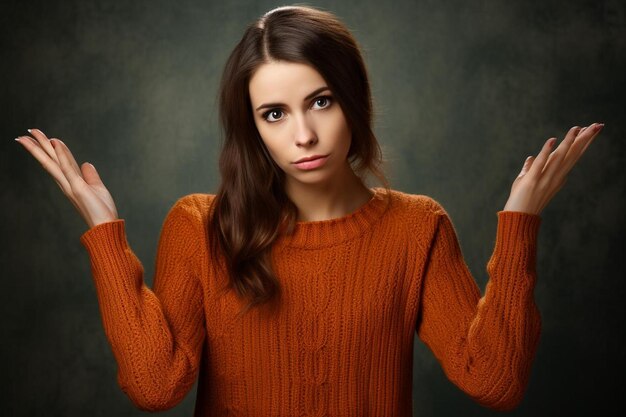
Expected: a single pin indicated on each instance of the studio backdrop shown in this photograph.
(463, 93)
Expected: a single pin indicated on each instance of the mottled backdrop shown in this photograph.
(464, 91)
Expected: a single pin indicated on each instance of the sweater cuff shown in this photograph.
(105, 239)
(518, 225)
(516, 244)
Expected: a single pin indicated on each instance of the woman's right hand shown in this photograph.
(81, 185)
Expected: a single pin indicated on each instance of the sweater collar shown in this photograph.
(323, 233)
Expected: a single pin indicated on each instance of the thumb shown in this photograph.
(90, 175)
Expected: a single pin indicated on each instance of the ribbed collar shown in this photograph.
(323, 233)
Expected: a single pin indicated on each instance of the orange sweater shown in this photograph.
(356, 291)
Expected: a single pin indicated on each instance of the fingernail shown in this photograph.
(17, 139)
(599, 127)
(29, 130)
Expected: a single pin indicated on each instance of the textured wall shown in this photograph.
(464, 92)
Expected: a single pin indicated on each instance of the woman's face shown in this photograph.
(298, 118)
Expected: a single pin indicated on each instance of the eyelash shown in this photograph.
(267, 113)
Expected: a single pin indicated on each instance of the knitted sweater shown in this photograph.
(356, 291)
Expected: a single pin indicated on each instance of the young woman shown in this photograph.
(296, 289)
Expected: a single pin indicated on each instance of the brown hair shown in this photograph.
(251, 206)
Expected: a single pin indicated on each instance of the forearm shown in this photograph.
(154, 369)
(485, 345)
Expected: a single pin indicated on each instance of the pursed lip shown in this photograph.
(309, 158)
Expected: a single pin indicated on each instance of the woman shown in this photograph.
(296, 289)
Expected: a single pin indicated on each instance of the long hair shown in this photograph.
(251, 207)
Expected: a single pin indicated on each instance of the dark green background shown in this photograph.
(464, 91)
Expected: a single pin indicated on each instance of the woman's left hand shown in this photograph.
(543, 176)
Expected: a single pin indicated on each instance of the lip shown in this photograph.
(309, 158)
(311, 163)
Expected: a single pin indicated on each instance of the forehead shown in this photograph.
(283, 81)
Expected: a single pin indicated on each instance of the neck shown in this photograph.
(334, 199)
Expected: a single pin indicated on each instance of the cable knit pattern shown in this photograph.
(356, 291)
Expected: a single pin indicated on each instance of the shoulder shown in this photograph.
(416, 204)
(195, 205)
(417, 216)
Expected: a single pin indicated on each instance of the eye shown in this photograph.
(276, 113)
(325, 99)
(271, 112)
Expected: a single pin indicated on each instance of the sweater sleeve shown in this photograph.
(156, 335)
(486, 344)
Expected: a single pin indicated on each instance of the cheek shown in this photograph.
(338, 129)
(272, 145)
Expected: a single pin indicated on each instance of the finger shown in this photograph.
(31, 140)
(542, 157)
(51, 166)
(553, 165)
(44, 142)
(70, 157)
(68, 154)
(595, 135)
(527, 164)
(28, 141)
(583, 140)
(90, 174)
(67, 163)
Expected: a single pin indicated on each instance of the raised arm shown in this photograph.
(156, 335)
(485, 345)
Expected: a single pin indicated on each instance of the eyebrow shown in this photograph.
(319, 90)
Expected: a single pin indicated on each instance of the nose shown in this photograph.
(304, 136)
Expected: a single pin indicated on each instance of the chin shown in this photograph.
(311, 177)
(315, 177)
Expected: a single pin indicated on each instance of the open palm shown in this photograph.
(82, 186)
(542, 177)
